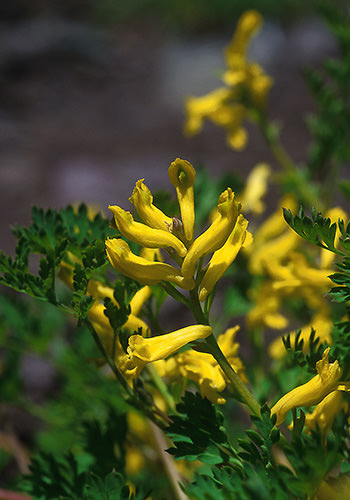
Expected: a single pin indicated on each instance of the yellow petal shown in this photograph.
(142, 351)
(216, 235)
(255, 189)
(182, 176)
(223, 258)
(311, 393)
(140, 297)
(248, 24)
(145, 235)
(142, 270)
(142, 199)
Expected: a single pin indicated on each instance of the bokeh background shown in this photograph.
(92, 94)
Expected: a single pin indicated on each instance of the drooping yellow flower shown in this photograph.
(144, 235)
(248, 25)
(311, 393)
(142, 270)
(255, 189)
(142, 351)
(182, 176)
(325, 412)
(216, 235)
(200, 108)
(142, 199)
(202, 368)
(223, 257)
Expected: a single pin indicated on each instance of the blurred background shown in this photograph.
(92, 94)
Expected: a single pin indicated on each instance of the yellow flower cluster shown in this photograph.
(247, 87)
(201, 368)
(224, 237)
(277, 256)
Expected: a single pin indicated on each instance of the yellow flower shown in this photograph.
(202, 368)
(255, 189)
(142, 199)
(182, 176)
(142, 351)
(266, 309)
(141, 269)
(311, 393)
(248, 24)
(325, 412)
(200, 108)
(145, 235)
(216, 235)
(334, 488)
(223, 257)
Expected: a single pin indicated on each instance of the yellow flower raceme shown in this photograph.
(223, 257)
(182, 176)
(142, 199)
(311, 393)
(216, 235)
(142, 351)
(142, 270)
(255, 189)
(145, 235)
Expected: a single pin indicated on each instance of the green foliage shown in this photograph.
(52, 235)
(298, 357)
(318, 230)
(197, 431)
(112, 487)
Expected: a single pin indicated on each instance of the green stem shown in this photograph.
(133, 397)
(161, 386)
(239, 389)
(271, 137)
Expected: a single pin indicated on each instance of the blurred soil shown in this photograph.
(85, 112)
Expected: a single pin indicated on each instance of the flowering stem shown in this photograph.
(136, 401)
(239, 389)
(270, 135)
(161, 386)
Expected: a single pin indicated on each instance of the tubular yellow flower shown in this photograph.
(200, 108)
(142, 270)
(248, 24)
(142, 351)
(325, 412)
(255, 189)
(182, 176)
(97, 316)
(223, 257)
(311, 393)
(216, 235)
(142, 199)
(145, 235)
(139, 299)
